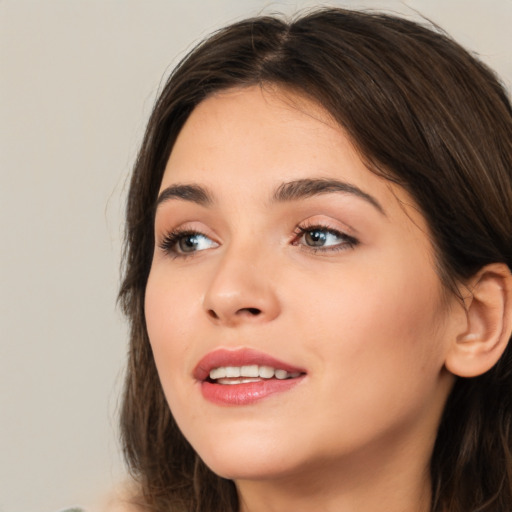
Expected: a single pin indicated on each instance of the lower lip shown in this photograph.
(247, 393)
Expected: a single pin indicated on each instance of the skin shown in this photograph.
(368, 321)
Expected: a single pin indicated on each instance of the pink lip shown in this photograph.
(247, 393)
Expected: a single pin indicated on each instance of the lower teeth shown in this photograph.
(243, 380)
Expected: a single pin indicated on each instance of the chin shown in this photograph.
(245, 457)
(240, 468)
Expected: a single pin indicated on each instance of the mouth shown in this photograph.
(243, 376)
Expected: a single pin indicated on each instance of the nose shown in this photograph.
(241, 291)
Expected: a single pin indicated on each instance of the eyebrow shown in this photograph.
(192, 193)
(301, 189)
(289, 191)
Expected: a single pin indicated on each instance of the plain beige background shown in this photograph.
(77, 82)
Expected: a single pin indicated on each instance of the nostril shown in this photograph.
(242, 312)
(213, 314)
(252, 311)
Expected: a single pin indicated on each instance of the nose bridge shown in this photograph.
(241, 289)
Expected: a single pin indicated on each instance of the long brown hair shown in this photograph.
(425, 114)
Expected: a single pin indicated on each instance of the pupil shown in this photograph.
(188, 243)
(315, 238)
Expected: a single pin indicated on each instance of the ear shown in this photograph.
(488, 327)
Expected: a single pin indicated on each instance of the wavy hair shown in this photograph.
(425, 114)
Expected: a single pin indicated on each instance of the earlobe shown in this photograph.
(489, 323)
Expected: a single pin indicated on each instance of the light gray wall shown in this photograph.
(77, 81)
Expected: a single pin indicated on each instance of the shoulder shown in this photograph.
(119, 499)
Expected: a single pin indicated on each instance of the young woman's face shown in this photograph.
(293, 308)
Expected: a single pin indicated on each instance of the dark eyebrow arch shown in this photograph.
(300, 189)
(192, 193)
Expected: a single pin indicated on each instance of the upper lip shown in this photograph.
(239, 357)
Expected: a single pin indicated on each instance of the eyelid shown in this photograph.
(328, 223)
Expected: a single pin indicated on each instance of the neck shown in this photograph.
(399, 482)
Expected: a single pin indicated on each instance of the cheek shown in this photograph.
(378, 356)
(170, 320)
(381, 324)
(172, 301)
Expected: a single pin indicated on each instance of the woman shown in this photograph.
(318, 254)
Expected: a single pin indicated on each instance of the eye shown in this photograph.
(322, 238)
(183, 243)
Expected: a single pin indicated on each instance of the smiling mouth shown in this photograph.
(244, 376)
(249, 373)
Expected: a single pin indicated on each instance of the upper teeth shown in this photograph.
(253, 370)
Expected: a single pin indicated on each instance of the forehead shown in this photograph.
(248, 138)
(265, 132)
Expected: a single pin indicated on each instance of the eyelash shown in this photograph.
(171, 239)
